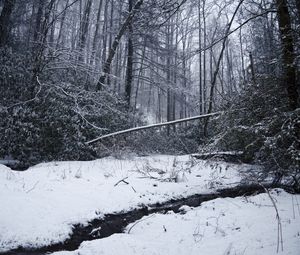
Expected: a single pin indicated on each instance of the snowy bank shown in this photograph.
(39, 206)
(242, 225)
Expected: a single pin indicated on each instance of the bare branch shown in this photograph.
(233, 31)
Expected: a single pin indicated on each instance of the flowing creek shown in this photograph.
(116, 223)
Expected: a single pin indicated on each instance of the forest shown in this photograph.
(90, 80)
(75, 70)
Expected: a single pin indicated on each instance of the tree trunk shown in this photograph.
(5, 21)
(111, 29)
(168, 67)
(298, 8)
(204, 56)
(38, 21)
(96, 34)
(139, 76)
(173, 122)
(60, 38)
(242, 58)
(104, 34)
(41, 32)
(112, 51)
(84, 29)
(52, 31)
(288, 57)
(252, 68)
(128, 84)
(200, 60)
(214, 78)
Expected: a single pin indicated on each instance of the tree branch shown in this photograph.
(153, 126)
(234, 30)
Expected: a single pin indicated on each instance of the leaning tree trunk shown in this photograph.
(215, 74)
(288, 55)
(5, 20)
(112, 51)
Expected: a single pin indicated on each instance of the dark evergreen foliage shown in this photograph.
(53, 122)
(260, 125)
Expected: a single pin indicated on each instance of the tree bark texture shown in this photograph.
(84, 28)
(129, 70)
(288, 55)
(5, 21)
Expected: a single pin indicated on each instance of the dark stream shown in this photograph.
(116, 223)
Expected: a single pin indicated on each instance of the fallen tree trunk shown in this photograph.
(227, 156)
(153, 126)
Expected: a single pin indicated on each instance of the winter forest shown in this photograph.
(137, 120)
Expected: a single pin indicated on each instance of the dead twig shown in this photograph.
(123, 180)
(32, 187)
(139, 222)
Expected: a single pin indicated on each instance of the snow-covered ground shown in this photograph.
(236, 226)
(40, 205)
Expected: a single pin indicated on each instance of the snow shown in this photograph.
(40, 205)
(243, 225)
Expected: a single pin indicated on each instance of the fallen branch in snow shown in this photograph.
(218, 153)
(146, 218)
(227, 156)
(32, 187)
(123, 180)
(154, 126)
(95, 232)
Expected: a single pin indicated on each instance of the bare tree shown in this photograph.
(214, 78)
(115, 44)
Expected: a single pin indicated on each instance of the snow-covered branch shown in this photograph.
(154, 126)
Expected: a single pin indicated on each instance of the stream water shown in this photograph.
(116, 223)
